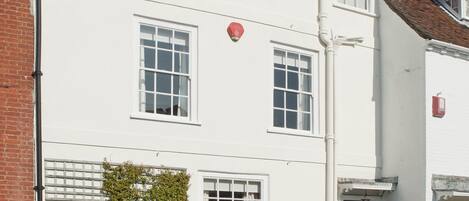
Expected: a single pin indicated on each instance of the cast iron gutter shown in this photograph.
(39, 188)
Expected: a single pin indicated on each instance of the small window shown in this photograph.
(459, 8)
(226, 189)
(166, 71)
(293, 91)
(455, 5)
(360, 4)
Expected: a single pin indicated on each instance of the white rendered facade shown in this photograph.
(416, 145)
(91, 100)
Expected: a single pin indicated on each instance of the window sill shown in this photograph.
(160, 118)
(355, 10)
(292, 132)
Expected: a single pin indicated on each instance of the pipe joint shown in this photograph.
(330, 137)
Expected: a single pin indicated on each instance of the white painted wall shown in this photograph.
(88, 67)
(403, 95)
(357, 94)
(447, 137)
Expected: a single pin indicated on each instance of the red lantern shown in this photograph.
(235, 31)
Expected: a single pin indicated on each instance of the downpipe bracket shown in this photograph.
(36, 74)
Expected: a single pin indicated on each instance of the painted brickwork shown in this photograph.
(16, 100)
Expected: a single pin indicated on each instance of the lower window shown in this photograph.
(224, 189)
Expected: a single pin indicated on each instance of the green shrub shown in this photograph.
(128, 182)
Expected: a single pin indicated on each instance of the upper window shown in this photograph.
(361, 4)
(294, 91)
(459, 8)
(166, 71)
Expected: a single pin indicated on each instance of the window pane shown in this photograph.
(177, 107)
(183, 107)
(163, 104)
(165, 59)
(147, 35)
(279, 99)
(210, 188)
(305, 103)
(306, 83)
(239, 189)
(305, 122)
(292, 100)
(305, 64)
(210, 184)
(293, 80)
(225, 188)
(164, 39)
(147, 101)
(181, 41)
(292, 61)
(279, 118)
(455, 5)
(180, 85)
(279, 57)
(279, 78)
(292, 120)
(149, 81)
(149, 58)
(163, 83)
(254, 189)
(181, 63)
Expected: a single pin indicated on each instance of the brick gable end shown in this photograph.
(16, 101)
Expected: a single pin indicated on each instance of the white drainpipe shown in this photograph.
(326, 38)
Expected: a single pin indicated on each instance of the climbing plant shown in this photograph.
(129, 182)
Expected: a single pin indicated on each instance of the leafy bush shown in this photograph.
(128, 182)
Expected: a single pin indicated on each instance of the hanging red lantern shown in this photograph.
(235, 31)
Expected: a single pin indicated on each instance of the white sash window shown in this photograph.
(167, 69)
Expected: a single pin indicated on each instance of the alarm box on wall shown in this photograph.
(438, 106)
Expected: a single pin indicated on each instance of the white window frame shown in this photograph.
(464, 10)
(314, 132)
(263, 179)
(192, 118)
(370, 11)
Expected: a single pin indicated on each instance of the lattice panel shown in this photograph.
(73, 180)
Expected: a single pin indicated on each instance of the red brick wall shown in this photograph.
(16, 101)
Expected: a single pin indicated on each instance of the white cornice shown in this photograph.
(449, 49)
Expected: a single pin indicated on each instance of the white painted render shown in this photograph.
(403, 108)
(447, 149)
(416, 145)
(88, 86)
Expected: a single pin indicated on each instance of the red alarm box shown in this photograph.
(438, 106)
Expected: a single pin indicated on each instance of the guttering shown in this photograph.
(326, 39)
(447, 46)
(39, 188)
(449, 49)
